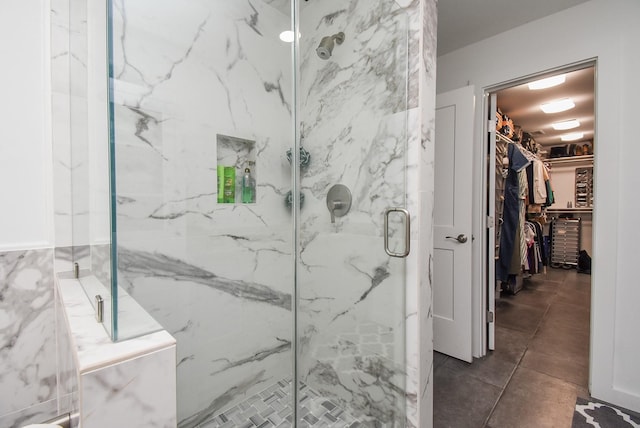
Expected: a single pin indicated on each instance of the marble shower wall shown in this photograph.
(424, 324)
(210, 273)
(218, 277)
(139, 392)
(27, 338)
(367, 119)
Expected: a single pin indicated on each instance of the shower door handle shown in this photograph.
(407, 232)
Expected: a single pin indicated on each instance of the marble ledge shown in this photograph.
(94, 349)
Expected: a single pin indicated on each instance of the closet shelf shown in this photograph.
(570, 210)
(570, 159)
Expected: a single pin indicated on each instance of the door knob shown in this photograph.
(460, 238)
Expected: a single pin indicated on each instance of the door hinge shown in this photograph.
(489, 317)
(490, 222)
(491, 125)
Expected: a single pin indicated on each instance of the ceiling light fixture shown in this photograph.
(549, 82)
(558, 106)
(572, 137)
(287, 36)
(564, 125)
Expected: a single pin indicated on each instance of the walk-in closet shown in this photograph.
(540, 198)
(543, 166)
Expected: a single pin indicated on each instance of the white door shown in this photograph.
(452, 310)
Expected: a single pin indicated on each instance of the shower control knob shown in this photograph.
(338, 201)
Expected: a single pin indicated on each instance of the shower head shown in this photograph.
(327, 43)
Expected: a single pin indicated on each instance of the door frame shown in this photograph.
(480, 251)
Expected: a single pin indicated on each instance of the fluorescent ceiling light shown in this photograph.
(549, 82)
(558, 106)
(567, 124)
(572, 137)
(287, 36)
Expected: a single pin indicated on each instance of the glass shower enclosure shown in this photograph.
(258, 188)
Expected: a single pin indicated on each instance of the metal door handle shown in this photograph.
(460, 238)
(407, 232)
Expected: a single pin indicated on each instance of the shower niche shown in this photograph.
(236, 170)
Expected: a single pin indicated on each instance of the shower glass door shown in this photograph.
(352, 65)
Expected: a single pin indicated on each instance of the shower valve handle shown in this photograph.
(338, 201)
(337, 205)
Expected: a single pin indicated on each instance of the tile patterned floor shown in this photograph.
(272, 408)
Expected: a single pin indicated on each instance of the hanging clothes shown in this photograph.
(539, 186)
(547, 181)
(537, 183)
(524, 190)
(513, 212)
(502, 171)
(535, 254)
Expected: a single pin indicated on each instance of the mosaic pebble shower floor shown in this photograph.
(272, 408)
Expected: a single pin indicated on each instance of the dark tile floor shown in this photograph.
(540, 365)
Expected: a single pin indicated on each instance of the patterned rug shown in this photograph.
(593, 413)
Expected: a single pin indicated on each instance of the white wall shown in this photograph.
(25, 152)
(606, 30)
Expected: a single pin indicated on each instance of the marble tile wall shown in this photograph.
(28, 391)
(427, 94)
(218, 277)
(131, 389)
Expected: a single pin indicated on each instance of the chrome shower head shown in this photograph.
(327, 43)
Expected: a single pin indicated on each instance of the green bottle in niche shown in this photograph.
(248, 187)
(220, 184)
(229, 196)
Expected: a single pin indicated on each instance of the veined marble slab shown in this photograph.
(27, 332)
(140, 392)
(30, 415)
